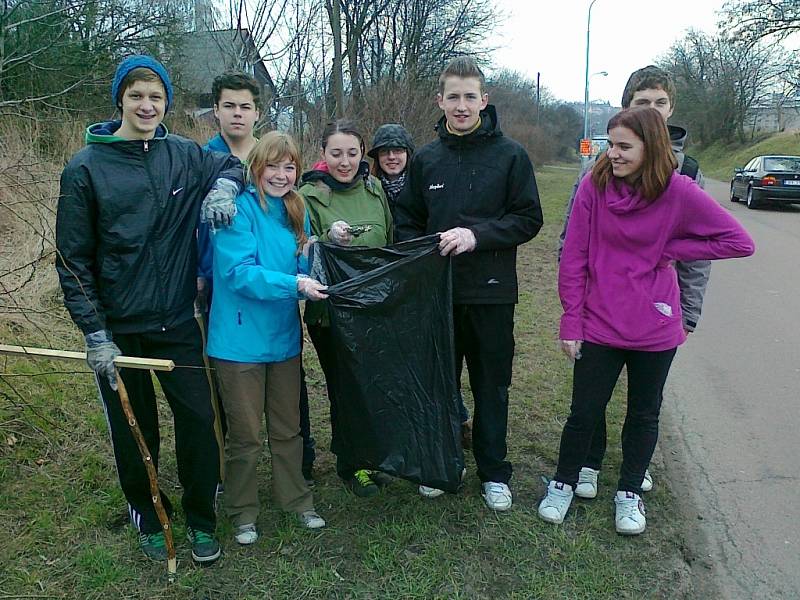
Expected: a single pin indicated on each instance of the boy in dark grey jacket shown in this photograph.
(650, 87)
(476, 188)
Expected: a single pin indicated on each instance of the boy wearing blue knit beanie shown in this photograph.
(127, 260)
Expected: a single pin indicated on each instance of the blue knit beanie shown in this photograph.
(135, 62)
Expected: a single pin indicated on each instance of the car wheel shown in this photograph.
(733, 195)
(752, 202)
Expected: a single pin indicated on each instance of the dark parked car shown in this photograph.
(767, 179)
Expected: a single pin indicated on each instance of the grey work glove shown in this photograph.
(219, 206)
(100, 354)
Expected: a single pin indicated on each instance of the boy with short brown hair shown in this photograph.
(476, 188)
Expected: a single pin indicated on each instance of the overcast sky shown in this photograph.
(550, 37)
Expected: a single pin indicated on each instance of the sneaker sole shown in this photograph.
(248, 542)
(554, 521)
(631, 531)
(496, 508)
(586, 496)
(206, 559)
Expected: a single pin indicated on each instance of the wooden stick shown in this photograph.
(131, 362)
(155, 493)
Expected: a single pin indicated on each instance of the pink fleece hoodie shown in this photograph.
(617, 282)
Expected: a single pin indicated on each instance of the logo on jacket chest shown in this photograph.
(436, 186)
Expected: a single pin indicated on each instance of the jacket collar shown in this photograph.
(490, 127)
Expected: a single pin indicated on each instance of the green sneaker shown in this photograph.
(205, 548)
(153, 545)
(361, 484)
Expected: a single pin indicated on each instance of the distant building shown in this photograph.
(206, 54)
(775, 114)
(599, 115)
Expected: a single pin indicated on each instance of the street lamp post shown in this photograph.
(584, 159)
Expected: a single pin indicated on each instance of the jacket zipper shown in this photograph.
(156, 260)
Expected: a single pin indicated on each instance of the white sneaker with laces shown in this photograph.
(629, 515)
(555, 504)
(587, 483)
(496, 495)
(311, 520)
(647, 482)
(246, 534)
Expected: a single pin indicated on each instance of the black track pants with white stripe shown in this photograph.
(196, 443)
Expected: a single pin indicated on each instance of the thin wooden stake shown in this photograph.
(155, 492)
(131, 362)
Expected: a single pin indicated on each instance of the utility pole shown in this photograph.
(336, 76)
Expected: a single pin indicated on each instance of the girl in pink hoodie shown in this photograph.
(633, 217)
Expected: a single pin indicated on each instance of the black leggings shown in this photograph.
(595, 376)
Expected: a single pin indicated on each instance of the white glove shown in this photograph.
(339, 233)
(307, 246)
(457, 241)
(311, 288)
(572, 348)
(219, 206)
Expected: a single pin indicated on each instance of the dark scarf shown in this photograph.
(393, 187)
(334, 184)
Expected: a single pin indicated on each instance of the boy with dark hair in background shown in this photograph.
(237, 101)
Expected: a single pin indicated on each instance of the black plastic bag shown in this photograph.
(391, 317)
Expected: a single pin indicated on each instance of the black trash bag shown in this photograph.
(391, 317)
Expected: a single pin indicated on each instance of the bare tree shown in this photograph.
(56, 52)
(759, 19)
(719, 80)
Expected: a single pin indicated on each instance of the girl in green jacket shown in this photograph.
(341, 196)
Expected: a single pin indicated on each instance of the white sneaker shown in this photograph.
(246, 534)
(587, 483)
(496, 495)
(555, 504)
(311, 520)
(629, 518)
(647, 482)
(430, 492)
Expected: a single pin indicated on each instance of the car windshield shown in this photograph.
(786, 163)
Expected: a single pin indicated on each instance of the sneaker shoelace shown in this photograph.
(201, 537)
(495, 489)
(629, 509)
(558, 499)
(363, 478)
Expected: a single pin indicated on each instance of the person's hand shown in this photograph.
(457, 241)
(100, 354)
(572, 348)
(311, 288)
(339, 233)
(307, 246)
(687, 331)
(219, 207)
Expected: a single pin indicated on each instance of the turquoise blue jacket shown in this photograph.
(255, 317)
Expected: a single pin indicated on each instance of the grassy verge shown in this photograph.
(64, 522)
(718, 161)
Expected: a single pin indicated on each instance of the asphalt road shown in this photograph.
(731, 418)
